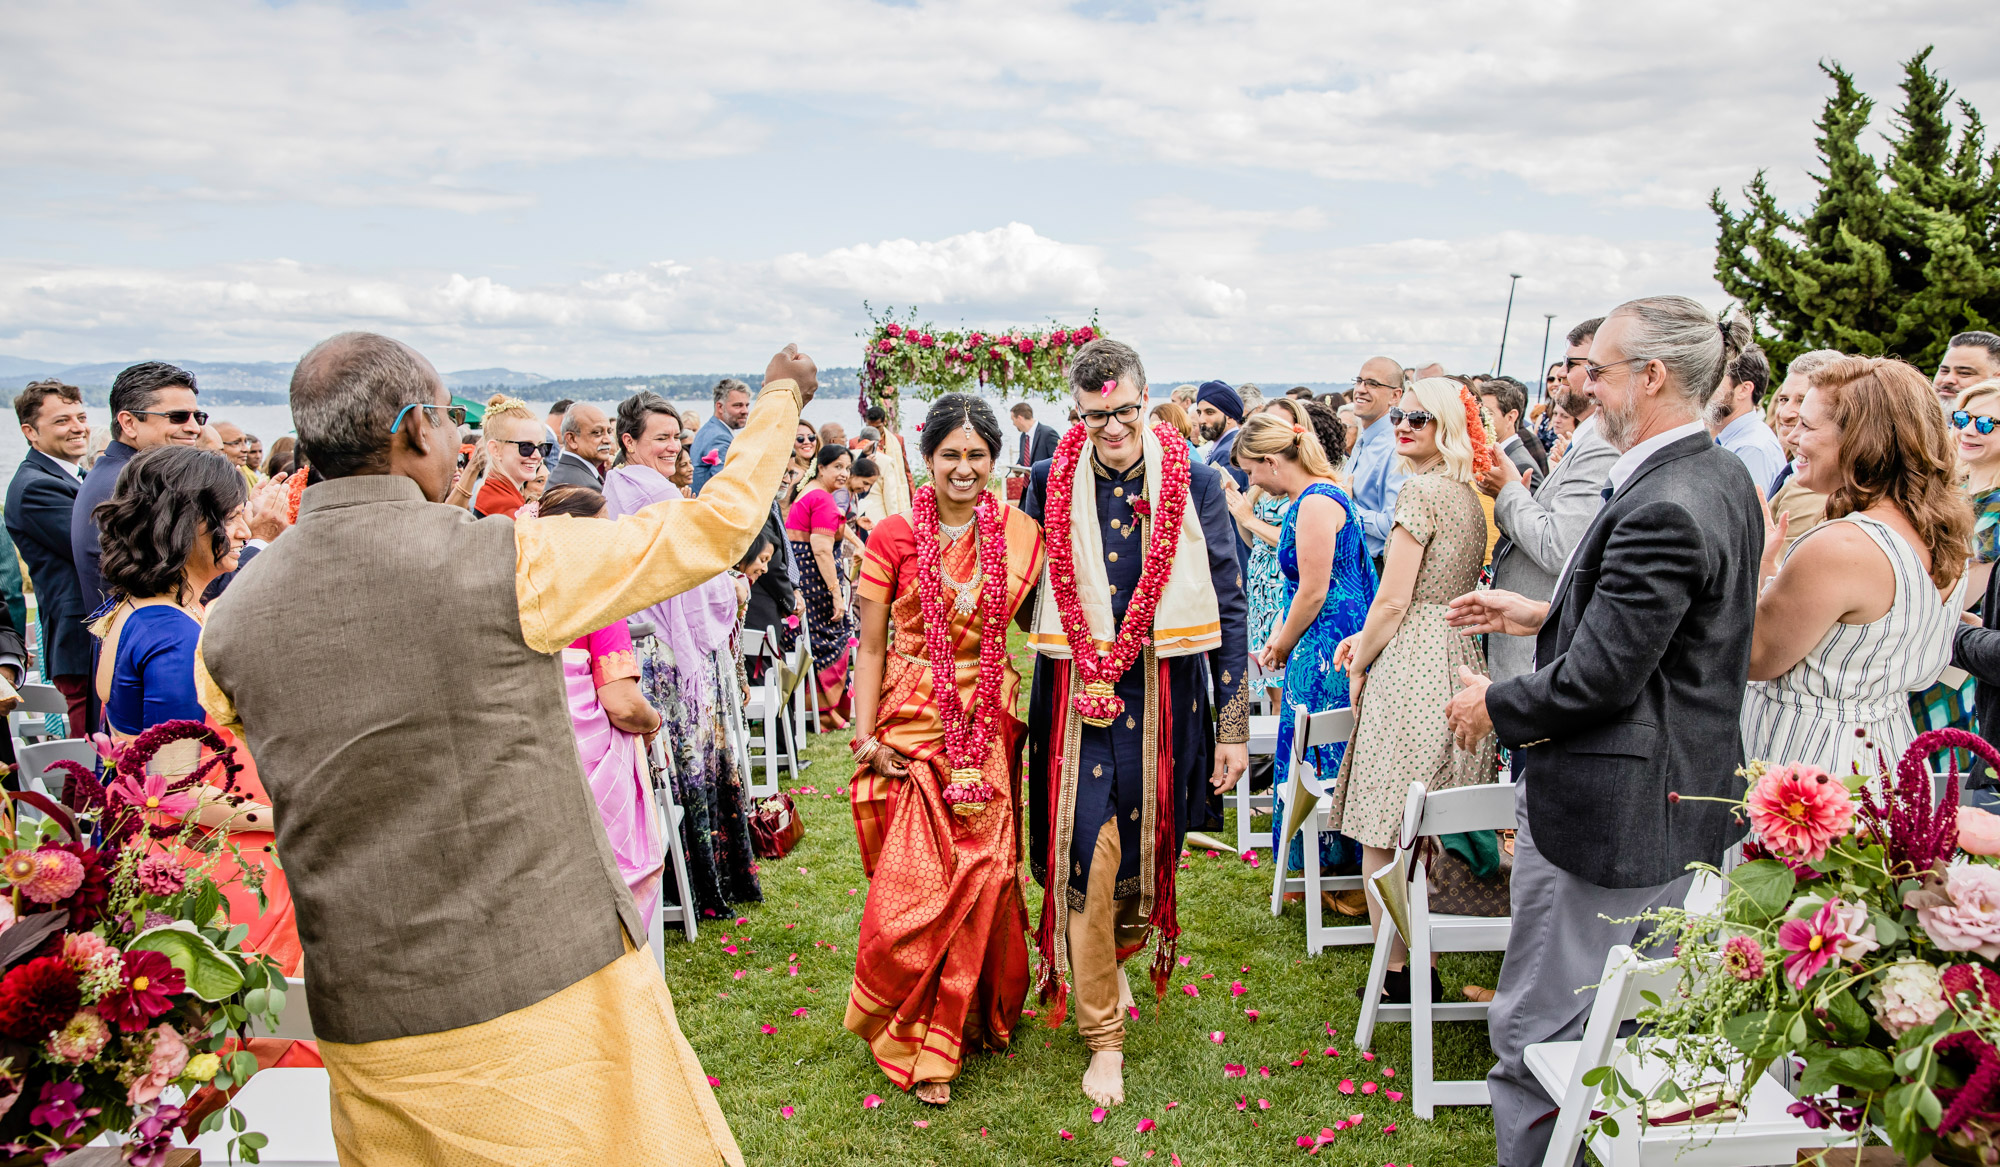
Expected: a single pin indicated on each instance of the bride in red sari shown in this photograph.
(942, 967)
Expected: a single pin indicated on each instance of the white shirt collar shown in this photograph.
(1512, 441)
(1629, 462)
(75, 470)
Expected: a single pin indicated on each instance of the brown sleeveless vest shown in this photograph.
(445, 855)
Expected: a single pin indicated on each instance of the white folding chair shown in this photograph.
(802, 685)
(28, 721)
(671, 815)
(1249, 807)
(1403, 886)
(1306, 809)
(36, 757)
(1760, 1132)
(767, 708)
(289, 1105)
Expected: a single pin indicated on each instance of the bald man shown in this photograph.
(1377, 389)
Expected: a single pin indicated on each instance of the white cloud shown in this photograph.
(1299, 312)
(424, 103)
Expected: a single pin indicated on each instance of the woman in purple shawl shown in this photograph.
(688, 670)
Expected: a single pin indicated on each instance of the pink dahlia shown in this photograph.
(80, 1040)
(1797, 811)
(168, 1058)
(57, 876)
(1810, 945)
(160, 876)
(1743, 958)
(1971, 922)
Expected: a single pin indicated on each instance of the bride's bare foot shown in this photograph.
(935, 1093)
(1104, 1081)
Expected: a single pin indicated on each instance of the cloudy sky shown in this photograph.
(1255, 190)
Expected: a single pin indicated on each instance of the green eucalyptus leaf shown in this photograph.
(1846, 1019)
(1888, 933)
(1928, 1107)
(254, 1141)
(256, 1001)
(1766, 888)
(1862, 1068)
(1758, 1035)
(1610, 1126)
(1595, 1074)
(237, 1122)
(210, 974)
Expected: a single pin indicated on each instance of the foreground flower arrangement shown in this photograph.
(1860, 940)
(123, 974)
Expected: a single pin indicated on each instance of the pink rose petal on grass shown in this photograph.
(1171, 1105)
(1066, 1136)
(1390, 1129)
(920, 1123)
(730, 949)
(1367, 1055)
(1216, 1036)
(1368, 1087)
(1393, 1095)
(1252, 1014)
(1332, 1052)
(742, 920)
(1190, 990)
(1229, 1070)
(871, 1102)
(1097, 1114)
(1388, 1071)
(713, 1081)
(799, 1012)
(792, 970)
(1208, 976)
(1263, 1104)
(767, 1029)
(791, 925)
(1145, 1124)
(1185, 960)
(1346, 1086)
(786, 1112)
(1236, 989)
(1242, 1102)
(1117, 1162)
(1133, 1010)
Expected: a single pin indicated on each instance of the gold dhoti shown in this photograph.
(1105, 927)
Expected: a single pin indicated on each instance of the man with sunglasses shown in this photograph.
(152, 404)
(483, 925)
(1377, 389)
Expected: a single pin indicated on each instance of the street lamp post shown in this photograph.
(1513, 279)
(1548, 322)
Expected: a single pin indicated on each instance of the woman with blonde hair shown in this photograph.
(1402, 664)
(1172, 413)
(1258, 515)
(1975, 416)
(1859, 612)
(1327, 583)
(516, 446)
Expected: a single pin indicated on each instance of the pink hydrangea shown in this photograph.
(1906, 996)
(57, 876)
(1744, 959)
(1971, 922)
(1798, 811)
(80, 1040)
(159, 875)
(165, 1063)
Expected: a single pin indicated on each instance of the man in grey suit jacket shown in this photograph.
(1628, 731)
(1540, 528)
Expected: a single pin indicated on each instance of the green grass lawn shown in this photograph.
(1011, 1107)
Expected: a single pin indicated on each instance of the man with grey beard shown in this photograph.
(1627, 733)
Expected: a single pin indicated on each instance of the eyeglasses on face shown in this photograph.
(1097, 419)
(173, 416)
(1595, 373)
(455, 412)
(546, 450)
(1575, 363)
(1417, 418)
(1372, 383)
(1985, 425)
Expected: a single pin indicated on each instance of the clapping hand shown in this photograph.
(1775, 528)
(1496, 611)
(1499, 474)
(270, 508)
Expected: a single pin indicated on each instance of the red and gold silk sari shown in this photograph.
(943, 960)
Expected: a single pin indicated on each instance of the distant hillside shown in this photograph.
(680, 388)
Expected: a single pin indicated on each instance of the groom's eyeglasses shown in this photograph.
(1097, 419)
(1960, 419)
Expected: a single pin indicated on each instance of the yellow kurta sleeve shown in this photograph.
(574, 576)
(213, 699)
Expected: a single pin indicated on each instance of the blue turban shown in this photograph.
(1220, 395)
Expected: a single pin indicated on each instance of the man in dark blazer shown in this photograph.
(39, 503)
(1038, 439)
(152, 404)
(586, 448)
(1629, 725)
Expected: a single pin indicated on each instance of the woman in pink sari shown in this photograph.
(612, 723)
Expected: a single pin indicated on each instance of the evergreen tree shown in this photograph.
(1893, 259)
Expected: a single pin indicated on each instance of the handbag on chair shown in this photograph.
(1455, 887)
(775, 827)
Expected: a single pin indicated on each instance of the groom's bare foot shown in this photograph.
(1104, 1081)
(935, 1093)
(1124, 991)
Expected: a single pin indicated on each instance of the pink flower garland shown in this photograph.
(1096, 699)
(967, 742)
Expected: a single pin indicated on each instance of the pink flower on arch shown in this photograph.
(1798, 811)
(1810, 945)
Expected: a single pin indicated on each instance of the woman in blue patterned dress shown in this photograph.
(1329, 583)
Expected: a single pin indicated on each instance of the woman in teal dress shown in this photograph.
(1329, 584)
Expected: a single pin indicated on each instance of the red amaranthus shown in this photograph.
(1096, 698)
(967, 739)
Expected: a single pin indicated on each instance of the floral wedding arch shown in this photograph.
(1013, 362)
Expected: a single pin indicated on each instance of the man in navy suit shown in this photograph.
(39, 503)
(152, 404)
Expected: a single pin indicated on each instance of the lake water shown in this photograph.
(271, 422)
